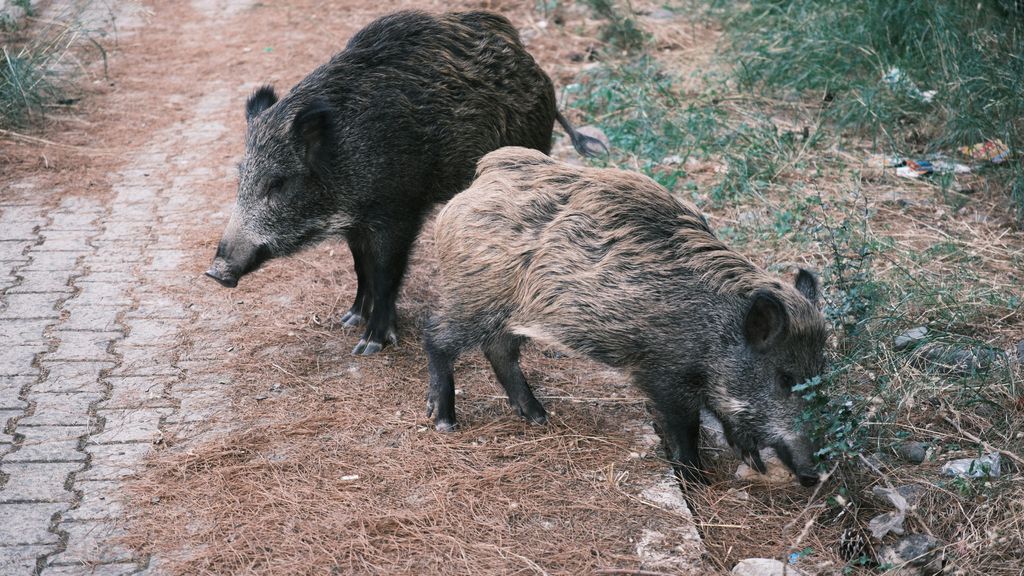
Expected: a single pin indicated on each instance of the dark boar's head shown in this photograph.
(282, 203)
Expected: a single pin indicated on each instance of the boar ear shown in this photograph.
(766, 320)
(260, 100)
(313, 132)
(808, 285)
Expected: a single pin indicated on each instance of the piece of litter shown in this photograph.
(944, 167)
(350, 478)
(987, 465)
(890, 521)
(993, 151)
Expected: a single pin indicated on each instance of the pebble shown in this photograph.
(912, 336)
(913, 452)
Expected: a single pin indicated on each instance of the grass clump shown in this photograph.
(621, 31)
(39, 61)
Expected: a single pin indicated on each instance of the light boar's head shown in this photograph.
(779, 343)
(283, 202)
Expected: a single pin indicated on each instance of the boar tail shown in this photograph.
(585, 145)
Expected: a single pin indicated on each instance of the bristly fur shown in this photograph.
(608, 264)
(369, 142)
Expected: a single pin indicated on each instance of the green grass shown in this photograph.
(970, 53)
(39, 63)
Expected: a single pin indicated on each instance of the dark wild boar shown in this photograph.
(365, 145)
(608, 264)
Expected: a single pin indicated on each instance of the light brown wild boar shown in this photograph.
(608, 264)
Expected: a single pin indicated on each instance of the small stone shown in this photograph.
(913, 452)
(764, 567)
(350, 478)
(662, 14)
(912, 493)
(912, 336)
(986, 466)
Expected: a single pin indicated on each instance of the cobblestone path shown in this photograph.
(94, 367)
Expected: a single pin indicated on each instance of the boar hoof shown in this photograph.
(446, 426)
(365, 348)
(538, 418)
(351, 319)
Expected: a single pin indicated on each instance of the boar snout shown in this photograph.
(234, 260)
(799, 457)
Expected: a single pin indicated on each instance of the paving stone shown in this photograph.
(200, 405)
(110, 293)
(155, 305)
(6, 415)
(98, 500)
(28, 523)
(18, 360)
(36, 482)
(49, 444)
(146, 361)
(14, 250)
(117, 231)
(52, 260)
(37, 281)
(54, 243)
(166, 260)
(113, 461)
(91, 542)
(25, 333)
(80, 222)
(130, 425)
(138, 392)
(151, 332)
(19, 231)
(90, 316)
(68, 376)
(10, 391)
(122, 277)
(83, 345)
(34, 305)
(113, 569)
(21, 560)
(60, 409)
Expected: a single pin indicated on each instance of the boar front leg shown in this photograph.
(384, 266)
(360, 309)
(679, 419)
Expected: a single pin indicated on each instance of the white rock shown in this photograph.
(764, 567)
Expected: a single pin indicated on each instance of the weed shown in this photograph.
(37, 64)
(621, 31)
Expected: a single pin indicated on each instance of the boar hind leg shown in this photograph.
(385, 262)
(360, 309)
(443, 348)
(503, 354)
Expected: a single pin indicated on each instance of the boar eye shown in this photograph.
(274, 186)
(786, 382)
